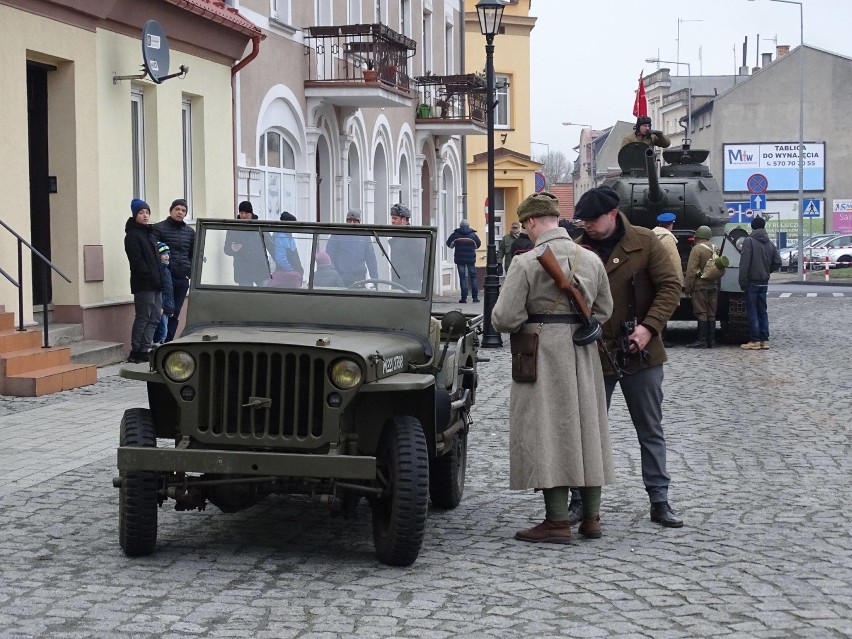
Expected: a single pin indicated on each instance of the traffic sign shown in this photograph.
(539, 182)
(812, 208)
(757, 184)
(757, 202)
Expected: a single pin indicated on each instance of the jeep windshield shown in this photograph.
(316, 259)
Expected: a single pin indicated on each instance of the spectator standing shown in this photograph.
(288, 266)
(704, 293)
(325, 276)
(181, 240)
(663, 231)
(146, 283)
(464, 241)
(251, 266)
(504, 248)
(406, 257)
(759, 258)
(352, 255)
(168, 293)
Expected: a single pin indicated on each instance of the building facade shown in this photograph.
(357, 104)
(79, 142)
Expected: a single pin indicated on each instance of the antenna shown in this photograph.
(155, 57)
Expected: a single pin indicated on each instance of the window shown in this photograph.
(137, 132)
(186, 124)
(277, 160)
(448, 49)
(405, 17)
(279, 10)
(381, 11)
(354, 12)
(427, 41)
(323, 13)
(501, 113)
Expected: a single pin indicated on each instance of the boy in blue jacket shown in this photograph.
(168, 293)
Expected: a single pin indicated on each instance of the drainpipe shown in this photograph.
(255, 50)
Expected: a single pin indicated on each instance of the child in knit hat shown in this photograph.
(168, 292)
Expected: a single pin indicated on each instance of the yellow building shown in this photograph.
(514, 174)
(79, 144)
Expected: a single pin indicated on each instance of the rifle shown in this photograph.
(591, 330)
(639, 301)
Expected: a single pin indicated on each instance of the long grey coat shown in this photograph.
(558, 430)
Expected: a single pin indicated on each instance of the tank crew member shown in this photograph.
(558, 431)
(645, 291)
(704, 293)
(642, 133)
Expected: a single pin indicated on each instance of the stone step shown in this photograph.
(64, 334)
(49, 380)
(7, 320)
(12, 340)
(30, 359)
(90, 351)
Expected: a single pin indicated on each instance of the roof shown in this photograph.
(217, 11)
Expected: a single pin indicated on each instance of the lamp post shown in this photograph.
(490, 15)
(592, 158)
(688, 92)
(801, 131)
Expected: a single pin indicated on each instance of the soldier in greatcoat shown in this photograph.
(559, 436)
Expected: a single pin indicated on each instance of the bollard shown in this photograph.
(804, 268)
(826, 268)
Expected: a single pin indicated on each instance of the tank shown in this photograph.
(683, 185)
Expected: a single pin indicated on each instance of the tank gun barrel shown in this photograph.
(655, 194)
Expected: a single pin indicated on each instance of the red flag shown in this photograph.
(640, 106)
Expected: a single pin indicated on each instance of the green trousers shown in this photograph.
(556, 502)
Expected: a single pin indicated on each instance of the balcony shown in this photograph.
(358, 65)
(451, 104)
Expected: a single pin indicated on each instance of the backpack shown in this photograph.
(714, 267)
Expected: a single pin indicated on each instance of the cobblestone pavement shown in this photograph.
(759, 452)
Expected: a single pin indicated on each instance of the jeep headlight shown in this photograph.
(179, 366)
(345, 374)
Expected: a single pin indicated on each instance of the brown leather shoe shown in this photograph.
(591, 528)
(549, 532)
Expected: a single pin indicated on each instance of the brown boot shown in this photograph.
(550, 532)
(591, 528)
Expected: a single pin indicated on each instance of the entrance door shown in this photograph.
(39, 192)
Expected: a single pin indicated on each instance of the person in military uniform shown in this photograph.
(645, 290)
(642, 133)
(704, 293)
(504, 248)
(558, 430)
(663, 231)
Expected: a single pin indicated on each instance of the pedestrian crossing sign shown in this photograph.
(812, 208)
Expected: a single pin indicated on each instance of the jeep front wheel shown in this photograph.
(399, 515)
(446, 474)
(137, 501)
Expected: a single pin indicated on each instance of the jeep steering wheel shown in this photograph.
(392, 284)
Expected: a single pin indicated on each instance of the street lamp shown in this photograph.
(688, 92)
(490, 15)
(592, 157)
(801, 131)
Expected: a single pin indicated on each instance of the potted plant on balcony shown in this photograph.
(424, 111)
(370, 74)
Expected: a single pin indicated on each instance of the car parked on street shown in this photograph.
(838, 250)
(305, 385)
(789, 254)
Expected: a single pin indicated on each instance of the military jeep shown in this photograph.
(338, 384)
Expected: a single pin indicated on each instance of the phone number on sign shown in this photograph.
(793, 163)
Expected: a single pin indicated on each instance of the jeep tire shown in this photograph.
(446, 474)
(138, 501)
(399, 515)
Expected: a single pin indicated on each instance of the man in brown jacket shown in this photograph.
(645, 291)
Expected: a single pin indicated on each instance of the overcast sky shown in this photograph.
(587, 56)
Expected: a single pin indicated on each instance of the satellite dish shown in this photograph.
(155, 51)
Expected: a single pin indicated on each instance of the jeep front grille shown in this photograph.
(288, 392)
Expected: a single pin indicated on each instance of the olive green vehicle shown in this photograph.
(305, 384)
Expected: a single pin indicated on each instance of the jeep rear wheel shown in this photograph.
(138, 502)
(399, 515)
(446, 474)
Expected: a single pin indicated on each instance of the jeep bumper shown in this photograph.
(228, 462)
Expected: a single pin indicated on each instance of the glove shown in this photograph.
(657, 133)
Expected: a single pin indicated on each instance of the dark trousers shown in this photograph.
(758, 318)
(148, 306)
(467, 271)
(180, 286)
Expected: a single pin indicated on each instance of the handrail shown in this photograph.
(22, 242)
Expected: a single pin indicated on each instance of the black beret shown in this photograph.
(758, 223)
(538, 205)
(595, 202)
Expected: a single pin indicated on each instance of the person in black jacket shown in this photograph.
(465, 241)
(251, 266)
(146, 284)
(181, 240)
(759, 258)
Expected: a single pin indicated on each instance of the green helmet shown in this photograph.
(703, 233)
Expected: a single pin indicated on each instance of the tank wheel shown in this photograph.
(399, 515)
(735, 328)
(446, 474)
(138, 500)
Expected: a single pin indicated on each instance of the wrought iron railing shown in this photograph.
(46, 263)
(452, 97)
(370, 53)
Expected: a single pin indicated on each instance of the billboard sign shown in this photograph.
(777, 162)
(842, 218)
(781, 215)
